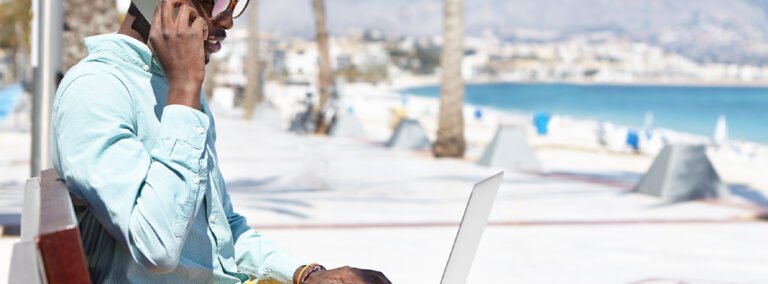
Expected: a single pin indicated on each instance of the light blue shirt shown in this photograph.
(158, 209)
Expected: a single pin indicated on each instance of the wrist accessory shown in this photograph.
(307, 270)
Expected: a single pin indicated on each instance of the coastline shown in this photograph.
(408, 85)
(571, 146)
(409, 82)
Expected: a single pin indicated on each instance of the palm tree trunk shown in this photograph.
(253, 88)
(19, 54)
(325, 79)
(84, 18)
(450, 133)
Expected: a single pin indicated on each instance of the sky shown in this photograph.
(731, 31)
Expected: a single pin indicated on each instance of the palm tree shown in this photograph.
(253, 88)
(15, 18)
(450, 133)
(84, 18)
(325, 79)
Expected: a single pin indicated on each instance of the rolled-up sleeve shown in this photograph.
(145, 198)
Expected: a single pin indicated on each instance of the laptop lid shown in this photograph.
(471, 230)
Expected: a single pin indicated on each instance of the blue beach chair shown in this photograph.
(633, 140)
(541, 121)
(9, 96)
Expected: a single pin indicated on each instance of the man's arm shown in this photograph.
(255, 253)
(145, 198)
(259, 256)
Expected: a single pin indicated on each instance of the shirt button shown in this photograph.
(200, 130)
(196, 179)
(212, 219)
(146, 67)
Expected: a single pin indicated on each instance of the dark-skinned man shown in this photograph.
(133, 138)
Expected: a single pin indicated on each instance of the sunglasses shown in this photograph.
(235, 7)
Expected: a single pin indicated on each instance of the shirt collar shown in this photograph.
(127, 48)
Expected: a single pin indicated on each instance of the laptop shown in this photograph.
(471, 230)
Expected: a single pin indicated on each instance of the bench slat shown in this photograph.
(51, 246)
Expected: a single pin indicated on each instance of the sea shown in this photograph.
(9, 96)
(691, 109)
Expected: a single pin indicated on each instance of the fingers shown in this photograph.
(200, 25)
(155, 29)
(157, 18)
(169, 12)
(184, 17)
(166, 12)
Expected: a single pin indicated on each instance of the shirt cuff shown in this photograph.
(185, 123)
(285, 266)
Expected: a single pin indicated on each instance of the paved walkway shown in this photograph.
(398, 211)
(341, 201)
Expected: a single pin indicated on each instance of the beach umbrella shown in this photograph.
(409, 135)
(509, 149)
(682, 173)
(721, 131)
(347, 125)
(648, 121)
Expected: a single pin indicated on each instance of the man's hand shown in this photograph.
(178, 44)
(347, 275)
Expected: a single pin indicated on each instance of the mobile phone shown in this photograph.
(147, 8)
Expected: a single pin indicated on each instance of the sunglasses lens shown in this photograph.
(239, 8)
(220, 6)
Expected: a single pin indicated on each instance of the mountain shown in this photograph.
(732, 31)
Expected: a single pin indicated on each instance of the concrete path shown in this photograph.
(342, 202)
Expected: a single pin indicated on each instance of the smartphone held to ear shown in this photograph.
(147, 8)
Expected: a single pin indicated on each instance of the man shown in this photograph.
(134, 139)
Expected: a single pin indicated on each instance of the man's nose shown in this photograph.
(224, 21)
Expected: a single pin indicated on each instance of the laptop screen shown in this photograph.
(471, 230)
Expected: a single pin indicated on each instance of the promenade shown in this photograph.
(354, 202)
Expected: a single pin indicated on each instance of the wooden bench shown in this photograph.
(50, 250)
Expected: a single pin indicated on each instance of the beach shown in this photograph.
(572, 145)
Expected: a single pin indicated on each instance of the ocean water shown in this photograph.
(682, 108)
(9, 96)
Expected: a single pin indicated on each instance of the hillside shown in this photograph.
(707, 30)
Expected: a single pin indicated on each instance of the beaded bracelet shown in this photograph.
(314, 268)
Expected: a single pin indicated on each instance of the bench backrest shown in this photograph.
(50, 250)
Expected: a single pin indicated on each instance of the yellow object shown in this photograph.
(398, 113)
